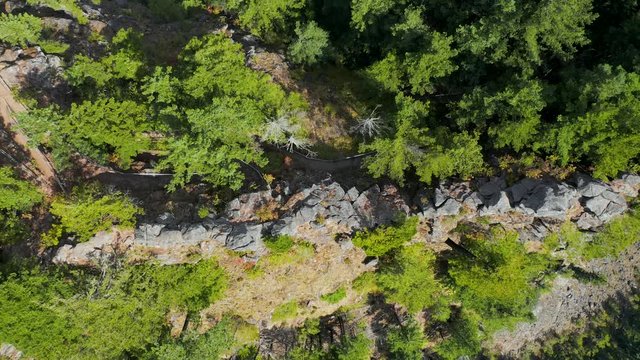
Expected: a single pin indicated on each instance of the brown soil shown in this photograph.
(303, 280)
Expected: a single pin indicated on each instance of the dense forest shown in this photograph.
(217, 97)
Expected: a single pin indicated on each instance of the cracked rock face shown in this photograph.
(551, 200)
(31, 65)
(321, 213)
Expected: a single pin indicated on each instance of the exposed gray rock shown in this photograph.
(318, 214)
(473, 200)
(167, 238)
(497, 204)
(624, 188)
(166, 218)
(11, 6)
(219, 230)
(85, 253)
(58, 24)
(10, 352)
(537, 230)
(246, 237)
(149, 230)
(614, 197)
(376, 207)
(423, 200)
(612, 211)
(597, 205)
(99, 27)
(246, 207)
(352, 194)
(493, 186)
(9, 55)
(588, 187)
(522, 189)
(632, 180)
(439, 197)
(588, 221)
(195, 234)
(449, 208)
(39, 69)
(551, 200)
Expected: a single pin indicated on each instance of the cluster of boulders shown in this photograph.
(321, 212)
(533, 206)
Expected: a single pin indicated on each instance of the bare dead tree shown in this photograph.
(370, 126)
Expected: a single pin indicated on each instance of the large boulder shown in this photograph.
(88, 252)
(589, 187)
(33, 68)
(317, 214)
(491, 186)
(496, 205)
(449, 208)
(256, 206)
(550, 199)
(380, 207)
(245, 237)
(522, 189)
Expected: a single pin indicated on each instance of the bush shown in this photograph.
(285, 249)
(498, 283)
(406, 342)
(614, 239)
(66, 5)
(463, 338)
(16, 198)
(384, 239)
(279, 244)
(63, 315)
(409, 280)
(22, 29)
(87, 213)
(310, 45)
(335, 297)
(167, 10)
(285, 311)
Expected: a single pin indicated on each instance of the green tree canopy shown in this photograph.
(21, 29)
(409, 280)
(16, 197)
(310, 44)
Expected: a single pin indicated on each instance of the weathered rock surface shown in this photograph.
(10, 352)
(550, 200)
(30, 66)
(319, 213)
(87, 253)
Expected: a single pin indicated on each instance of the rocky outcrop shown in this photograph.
(10, 352)
(321, 212)
(30, 68)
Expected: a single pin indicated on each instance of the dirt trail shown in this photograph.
(8, 107)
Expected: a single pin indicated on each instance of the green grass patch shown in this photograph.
(287, 250)
(285, 311)
(280, 244)
(386, 238)
(335, 297)
(614, 239)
